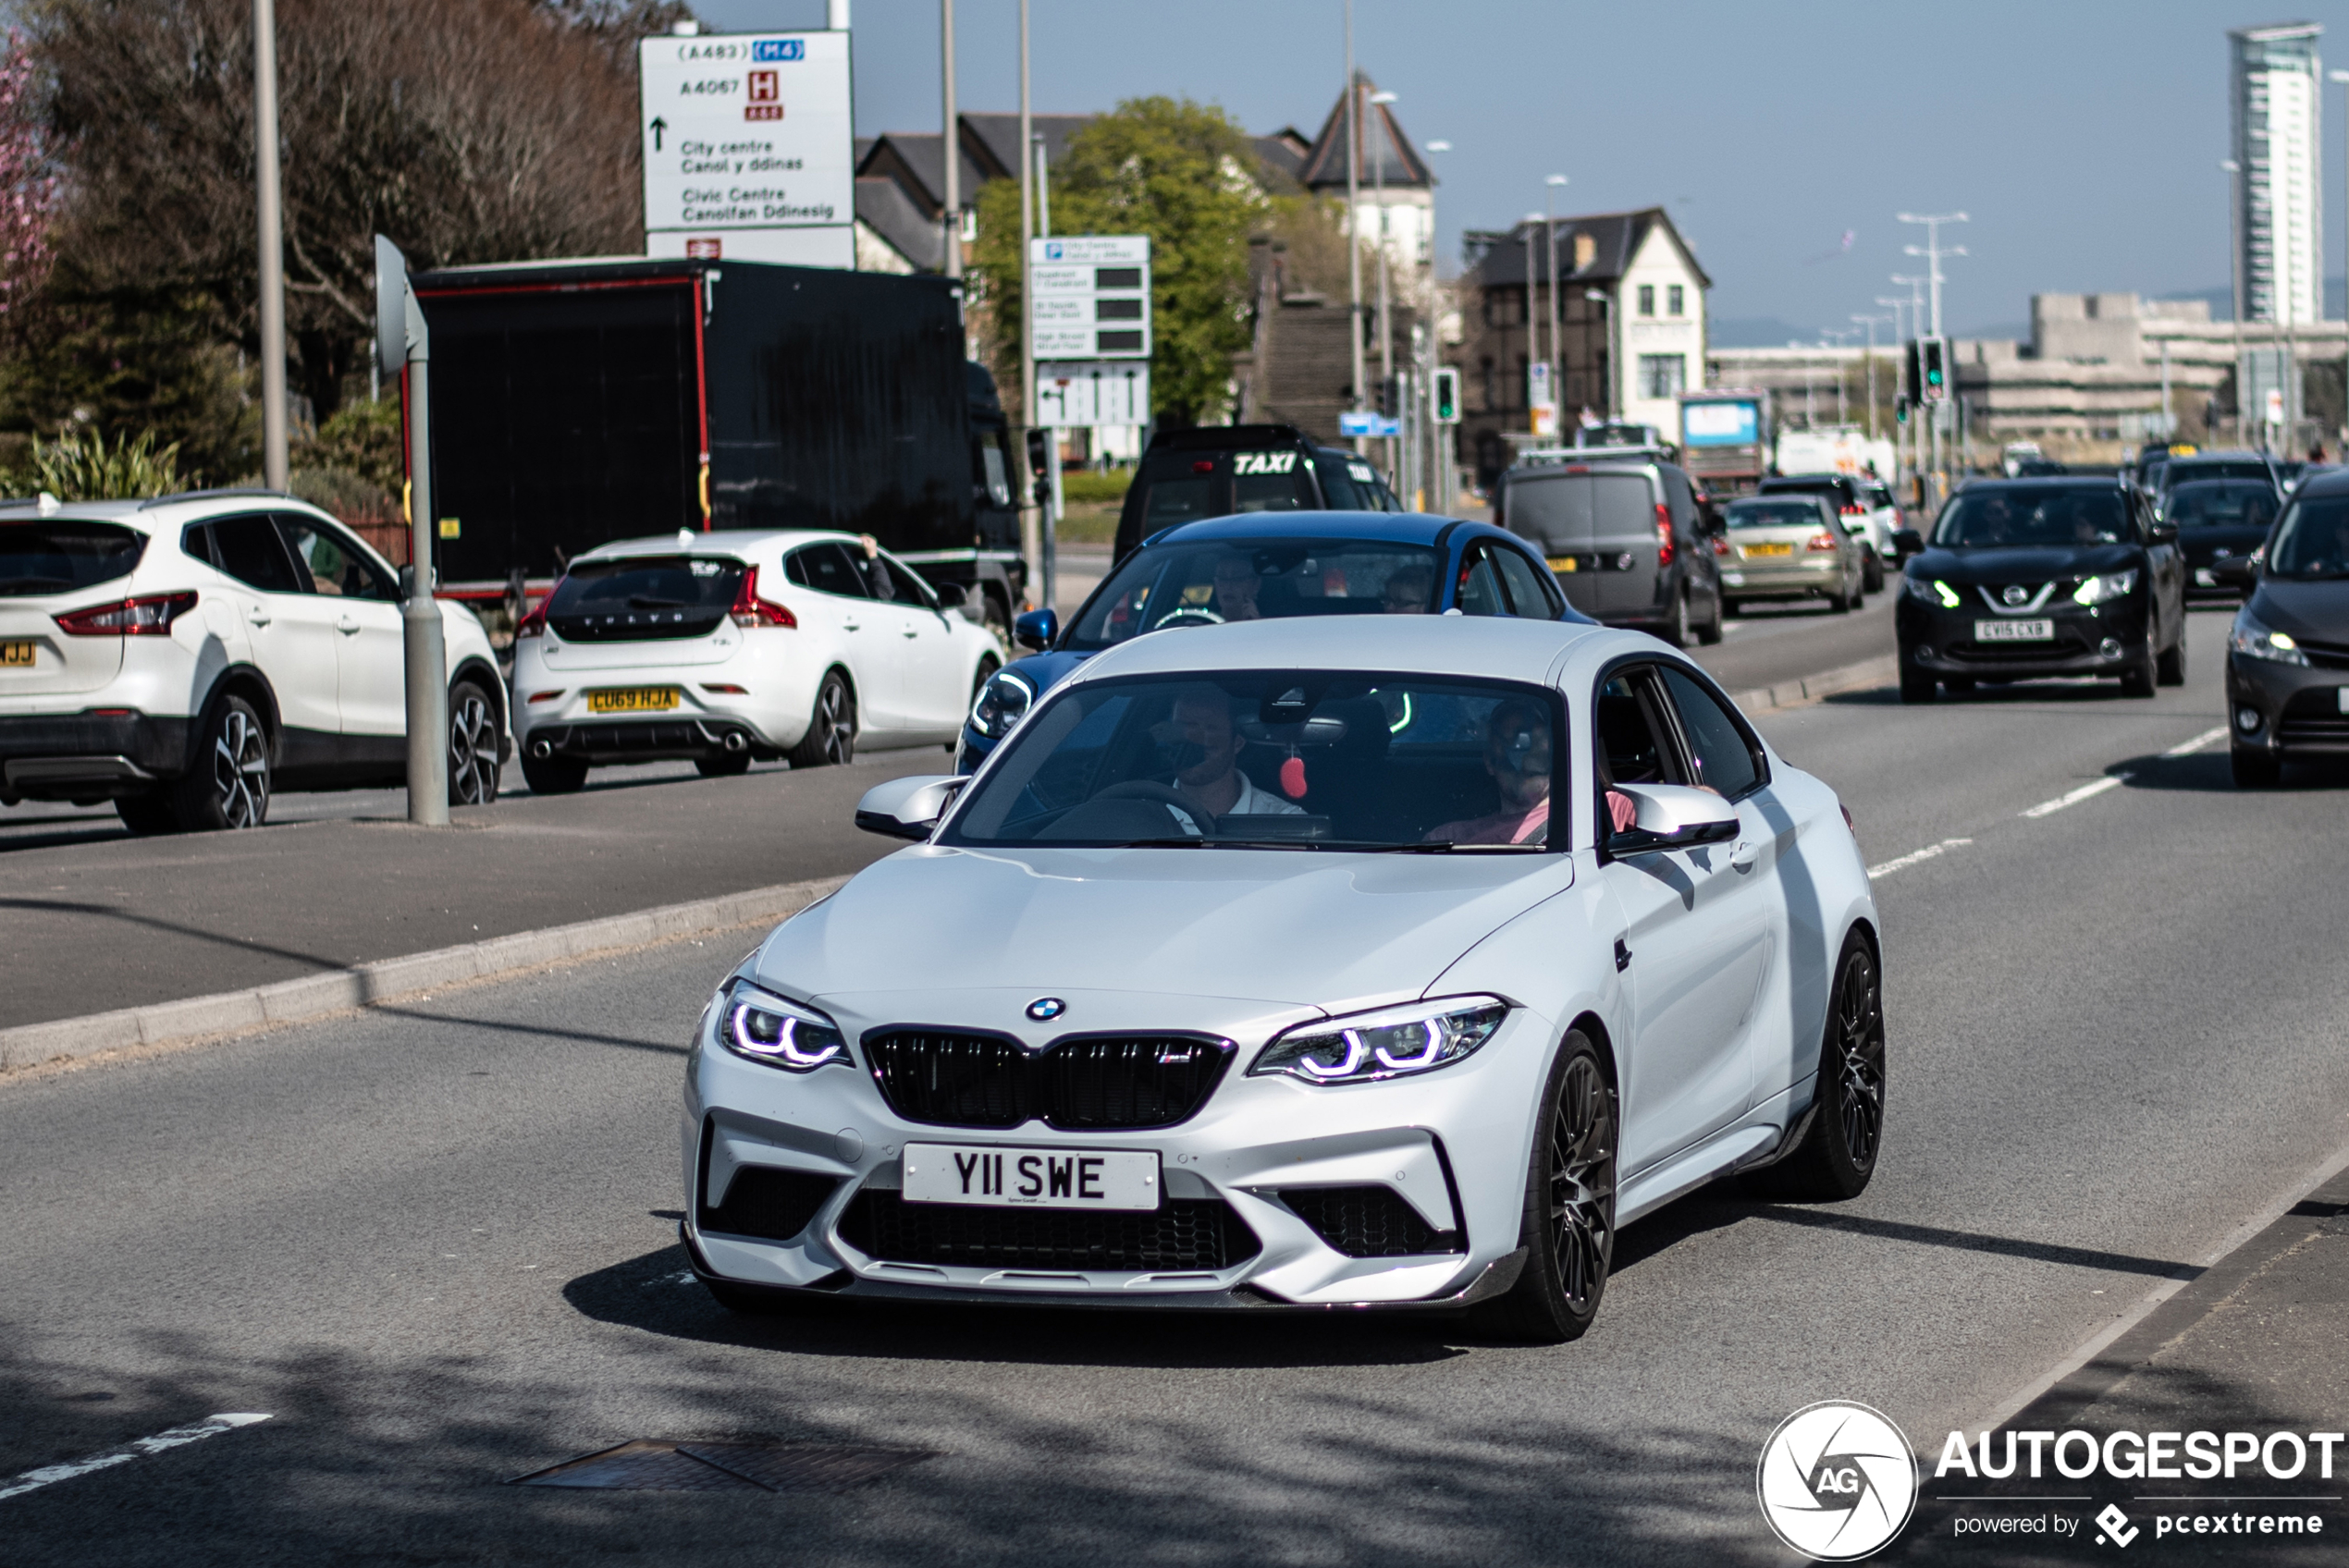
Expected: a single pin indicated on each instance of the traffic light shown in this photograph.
(1901, 409)
(1935, 352)
(1390, 397)
(1911, 373)
(1039, 462)
(1447, 395)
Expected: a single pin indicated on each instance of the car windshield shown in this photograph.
(2056, 515)
(2226, 504)
(2312, 540)
(59, 555)
(2186, 471)
(646, 583)
(1181, 584)
(1774, 514)
(1278, 759)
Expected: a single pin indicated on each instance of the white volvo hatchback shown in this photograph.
(1386, 963)
(188, 656)
(733, 645)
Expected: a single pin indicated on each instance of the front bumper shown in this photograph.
(2091, 640)
(2287, 710)
(88, 756)
(1443, 1162)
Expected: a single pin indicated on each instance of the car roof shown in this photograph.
(1495, 647)
(1394, 528)
(2047, 481)
(739, 541)
(1810, 479)
(2328, 481)
(160, 514)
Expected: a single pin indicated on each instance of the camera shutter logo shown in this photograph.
(1837, 1481)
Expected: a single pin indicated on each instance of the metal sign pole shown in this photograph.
(274, 473)
(402, 339)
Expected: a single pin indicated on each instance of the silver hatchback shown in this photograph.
(1790, 547)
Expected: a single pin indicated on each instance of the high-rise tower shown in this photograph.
(2277, 99)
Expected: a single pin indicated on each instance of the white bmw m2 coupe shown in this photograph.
(1367, 963)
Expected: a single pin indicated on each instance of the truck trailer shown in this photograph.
(1726, 439)
(577, 402)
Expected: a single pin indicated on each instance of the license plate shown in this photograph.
(2014, 630)
(1753, 550)
(640, 699)
(19, 655)
(991, 1176)
(1566, 563)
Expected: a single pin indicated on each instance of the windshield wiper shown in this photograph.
(1448, 846)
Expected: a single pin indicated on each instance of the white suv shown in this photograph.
(739, 644)
(188, 656)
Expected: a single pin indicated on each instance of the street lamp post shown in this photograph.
(951, 153)
(1031, 524)
(2234, 171)
(1354, 213)
(1378, 100)
(274, 470)
(1869, 322)
(1901, 431)
(2344, 432)
(1554, 312)
(1933, 250)
(1606, 349)
(1442, 464)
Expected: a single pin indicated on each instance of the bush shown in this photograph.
(1088, 487)
(362, 441)
(81, 466)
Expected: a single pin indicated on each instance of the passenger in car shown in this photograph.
(1206, 753)
(1518, 756)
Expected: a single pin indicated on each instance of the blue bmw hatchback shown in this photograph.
(1263, 567)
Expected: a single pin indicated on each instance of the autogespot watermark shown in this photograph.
(2302, 1460)
(1837, 1481)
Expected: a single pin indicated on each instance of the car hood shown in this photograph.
(1294, 927)
(2316, 611)
(1048, 669)
(2023, 563)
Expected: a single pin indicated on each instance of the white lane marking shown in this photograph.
(210, 1426)
(2205, 739)
(2073, 798)
(1900, 863)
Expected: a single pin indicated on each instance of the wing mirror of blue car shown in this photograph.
(1908, 542)
(1673, 817)
(1037, 630)
(908, 808)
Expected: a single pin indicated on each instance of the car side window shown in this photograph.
(905, 586)
(1479, 591)
(1725, 758)
(826, 568)
(1532, 594)
(248, 549)
(336, 565)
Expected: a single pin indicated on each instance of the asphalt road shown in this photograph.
(436, 1247)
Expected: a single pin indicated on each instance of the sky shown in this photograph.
(2083, 137)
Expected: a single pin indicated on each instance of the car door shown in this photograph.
(1693, 941)
(371, 680)
(1624, 512)
(292, 631)
(841, 607)
(1551, 511)
(2166, 563)
(937, 693)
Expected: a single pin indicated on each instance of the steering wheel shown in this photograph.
(1165, 794)
(1187, 614)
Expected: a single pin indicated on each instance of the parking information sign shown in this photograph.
(1089, 297)
(1099, 392)
(749, 147)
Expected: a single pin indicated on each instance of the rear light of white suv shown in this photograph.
(150, 616)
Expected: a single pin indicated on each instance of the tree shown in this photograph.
(1182, 173)
(468, 131)
(28, 183)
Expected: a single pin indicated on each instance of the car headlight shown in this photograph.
(763, 1027)
(1001, 704)
(2262, 642)
(2097, 590)
(1415, 1037)
(1931, 591)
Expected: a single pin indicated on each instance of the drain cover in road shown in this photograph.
(649, 1465)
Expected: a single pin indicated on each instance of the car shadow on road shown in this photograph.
(657, 1293)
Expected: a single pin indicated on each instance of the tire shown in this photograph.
(554, 775)
(1959, 688)
(1569, 1225)
(2137, 679)
(473, 745)
(831, 740)
(997, 618)
(1677, 632)
(1841, 602)
(1731, 606)
(2253, 770)
(1710, 632)
(987, 665)
(1916, 686)
(723, 764)
(2170, 668)
(1872, 573)
(146, 815)
(227, 784)
(1839, 1153)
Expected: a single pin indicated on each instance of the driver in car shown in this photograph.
(1206, 750)
(1235, 586)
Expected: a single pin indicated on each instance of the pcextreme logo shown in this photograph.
(1837, 1481)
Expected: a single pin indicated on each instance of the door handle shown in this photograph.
(258, 617)
(851, 625)
(1747, 851)
(1622, 955)
(345, 626)
(912, 632)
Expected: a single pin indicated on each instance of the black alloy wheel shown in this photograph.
(228, 784)
(831, 740)
(1568, 1226)
(1838, 1154)
(473, 745)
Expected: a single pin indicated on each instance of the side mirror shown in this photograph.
(2163, 534)
(908, 808)
(1673, 817)
(951, 595)
(1908, 542)
(1037, 630)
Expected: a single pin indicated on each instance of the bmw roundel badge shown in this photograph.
(1045, 1008)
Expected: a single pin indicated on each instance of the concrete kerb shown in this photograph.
(1863, 677)
(365, 985)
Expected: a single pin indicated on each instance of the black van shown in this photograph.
(1627, 538)
(1223, 469)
